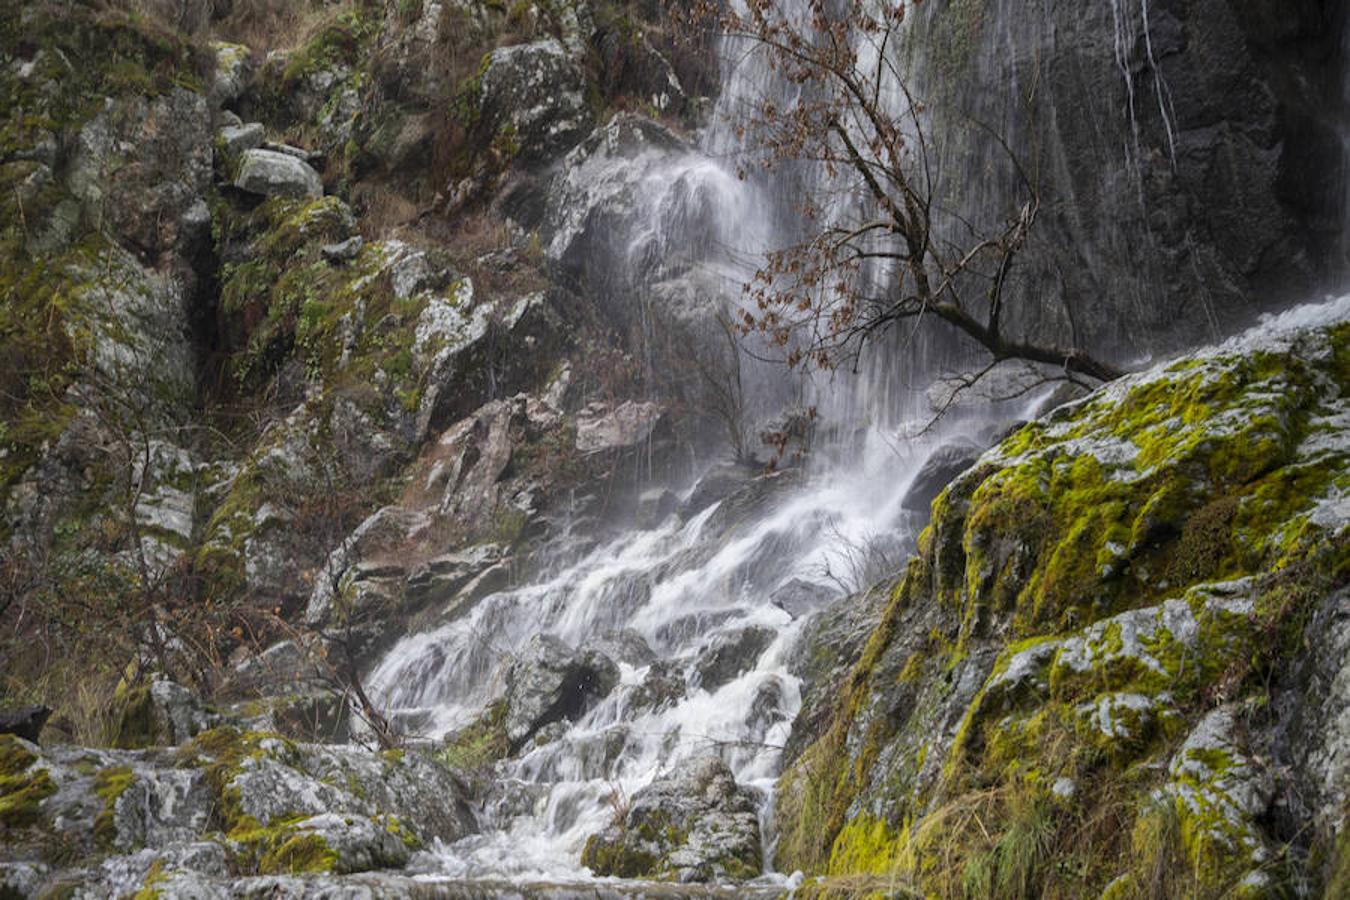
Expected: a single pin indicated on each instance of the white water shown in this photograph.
(824, 531)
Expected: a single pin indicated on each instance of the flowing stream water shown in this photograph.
(817, 533)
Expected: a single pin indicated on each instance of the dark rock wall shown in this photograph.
(1189, 171)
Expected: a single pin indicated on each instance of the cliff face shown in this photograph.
(1113, 667)
(1186, 155)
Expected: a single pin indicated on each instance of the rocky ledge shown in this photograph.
(1119, 657)
(228, 813)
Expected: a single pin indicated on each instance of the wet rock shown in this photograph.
(535, 90)
(800, 598)
(180, 715)
(273, 174)
(160, 713)
(446, 575)
(654, 505)
(25, 722)
(286, 667)
(282, 807)
(937, 471)
(715, 485)
(662, 687)
(550, 681)
(481, 352)
(1316, 740)
(355, 844)
(731, 654)
(1221, 792)
(600, 429)
(593, 198)
(695, 824)
(624, 646)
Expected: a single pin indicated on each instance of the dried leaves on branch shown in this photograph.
(877, 250)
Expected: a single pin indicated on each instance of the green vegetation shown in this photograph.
(23, 787)
(1102, 553)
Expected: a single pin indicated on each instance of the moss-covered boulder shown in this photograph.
(695, 824)
(225, 805)
(1102, 671)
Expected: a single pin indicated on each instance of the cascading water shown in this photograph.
(803, 538)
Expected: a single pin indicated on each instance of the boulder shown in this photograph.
(535, 93)
(273, 174)
(161, 713)
(230, 76)
(550, 681)
(693, 825)
(662, 687)
(266, 804)
(236, 139)
(937, 471)
(730, 654)
(600, 428)
(715, 485)
(25, 722)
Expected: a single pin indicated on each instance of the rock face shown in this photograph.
(268, 806)
(550, 682)
(695, 824)
(534, 93)
(274, 174)
(1176, 142)
(937, 471)
(1116, 607)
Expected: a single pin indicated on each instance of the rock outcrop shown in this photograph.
(695, 824)
(215, 810)
(549, 682)
(1106, 642)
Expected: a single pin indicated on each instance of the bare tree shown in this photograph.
(877, 253)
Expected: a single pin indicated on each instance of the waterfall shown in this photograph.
(820, 532)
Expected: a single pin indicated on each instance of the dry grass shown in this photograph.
(267, 25)
(80, 691)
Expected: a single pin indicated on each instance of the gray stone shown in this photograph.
(360, 844)
(730, 654)
(230, 78)
(550, 681)
(538, 90)
(937, 471)
(235, 139)
(695, 824)
(178, 713)
(273, 174)
(600, 428)
(343, 251)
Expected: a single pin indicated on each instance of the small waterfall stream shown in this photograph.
(805, 538)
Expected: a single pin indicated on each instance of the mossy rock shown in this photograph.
(1089, 590)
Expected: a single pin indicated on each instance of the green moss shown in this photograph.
(1149, 493)
(395, 826)
(480, 745)
(298, 854)
(618, 859)
(22, 793)
(15, 758)
(866, 845)
(109, 786)
(149, 889)
(134, 726)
